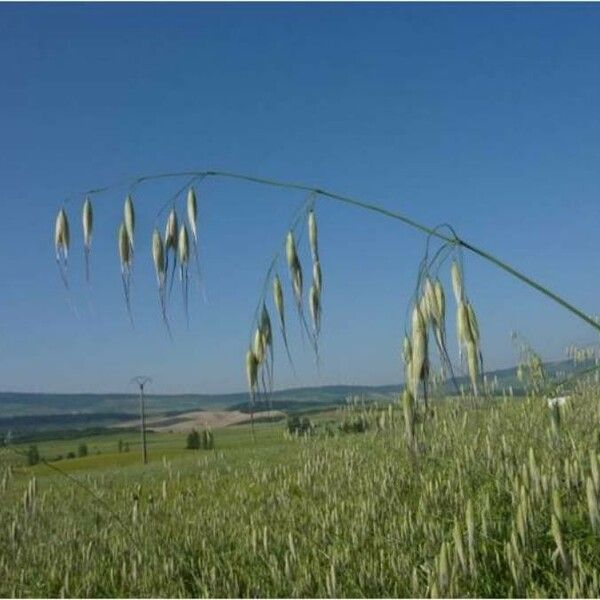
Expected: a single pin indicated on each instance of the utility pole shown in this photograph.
(141, 381)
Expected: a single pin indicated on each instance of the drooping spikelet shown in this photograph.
(183, 247)
(457, 281)
(183, 255)
(124, 247)
(192, 212)
(473, 325)
(317, 276)
(252, 371)
(171, 231)
(87, 219)
(265, 328)
(258, 346)
(315, 308)
(312, 234)
(129, 219)
(158, 256)
(61, 236)
(419, 349)
(473, 365)
(125, 256)
(278, 300)
(294, 267)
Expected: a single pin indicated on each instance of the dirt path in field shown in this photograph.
(214, 419)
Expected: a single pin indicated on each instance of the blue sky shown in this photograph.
(483, 116)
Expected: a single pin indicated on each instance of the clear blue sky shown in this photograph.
(483, 116)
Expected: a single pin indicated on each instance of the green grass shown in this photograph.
(349, 515)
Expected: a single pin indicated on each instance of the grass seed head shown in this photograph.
(183, 245)
(258, 346)
(419, 348)
(315, 307)
(171, 231)
(457, 281)
(278, 298)
(251, 370)
(87, 219)
(192, 212)
(129, 218)
(265, 327)
(124, 247)
(158, 256)
(312, 234)
(317, 276)
(61, 234)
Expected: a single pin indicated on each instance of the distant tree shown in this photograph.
(82, 450)
(193, 440)
(71, 455)
(120, 446)
(208, 440)
(297, 426)
(33, 455)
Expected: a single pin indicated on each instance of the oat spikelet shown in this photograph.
(252, 376)
(317, 276)
(419, 349)
(473, 365)
(315, 308)
(61, 244)
(87, 219)
(125, 256)
(280, 307)
(192, 213)
(61, 236)
(171, 241)
(312, 235)
(183, 253)
(129, 219)
(266, 332)
(171, 231)
(158, 256)
(258, 346)
(252, 371)
(457, 281)
(295, 268)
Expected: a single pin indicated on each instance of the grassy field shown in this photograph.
(496, 500)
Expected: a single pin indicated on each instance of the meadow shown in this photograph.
(481, 497)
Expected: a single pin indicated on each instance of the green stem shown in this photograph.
(393, 215)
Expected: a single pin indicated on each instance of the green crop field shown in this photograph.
(490, 498)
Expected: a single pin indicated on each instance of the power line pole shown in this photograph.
(141, 381)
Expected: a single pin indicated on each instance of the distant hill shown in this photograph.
(26, 412)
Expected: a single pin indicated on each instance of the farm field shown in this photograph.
(497, 498)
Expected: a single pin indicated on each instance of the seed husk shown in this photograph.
(419, 349)
(129, 218)
(61, 235)
(312, 234)
(171, 231)
(457, 281)
(315, 308)
(317, 276)
(158, 256)
(192, 212)
(183, 246)
(252, 370)
(87, 218)
(294, 267)
(124, 247)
